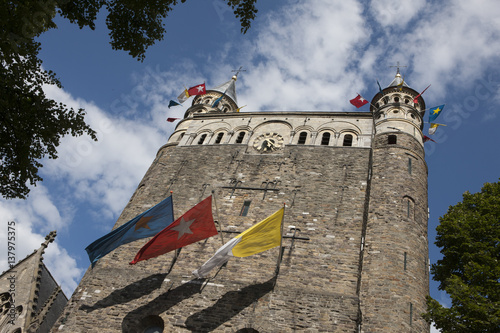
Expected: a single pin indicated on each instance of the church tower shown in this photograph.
(394, 272)
(30, 298)
(354, 255)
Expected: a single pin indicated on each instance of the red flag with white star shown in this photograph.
(196, 224)
(358, 101)
(197, 90)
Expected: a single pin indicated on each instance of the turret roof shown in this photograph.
(397, 81)
(229, 88)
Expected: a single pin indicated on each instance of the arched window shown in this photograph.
(325, 139)
(240, 137)
(302, 138)
(392, 139)
(219, 137)
(347, 140)
(408, 207)
(202, 139)
(181, 136)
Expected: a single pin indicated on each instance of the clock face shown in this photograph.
(269, 142)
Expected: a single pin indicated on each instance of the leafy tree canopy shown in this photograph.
(31, 125)
(469, 235)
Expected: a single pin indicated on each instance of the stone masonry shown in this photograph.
(356, 205)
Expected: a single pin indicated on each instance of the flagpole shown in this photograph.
(178, 251)
(281, 243)
(366, 100)
(218, 219)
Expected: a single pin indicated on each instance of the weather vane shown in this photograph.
(239, 70)
(398, 66)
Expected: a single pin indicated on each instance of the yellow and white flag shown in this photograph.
(183, 96)
(261, 237)
(433, 128)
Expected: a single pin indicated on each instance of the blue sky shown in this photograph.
(299, 55)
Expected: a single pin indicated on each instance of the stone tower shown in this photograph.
(354, 253)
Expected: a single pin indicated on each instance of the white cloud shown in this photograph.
(305, 58)
(395, 12)
(105, 173)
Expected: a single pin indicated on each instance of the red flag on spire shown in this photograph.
(415, 100)
(197, 90)
(426, 138)
(196, 224)
(358, 101)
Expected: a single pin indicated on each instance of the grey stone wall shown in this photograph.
(361, 263)
(316, 287)
(394, 278)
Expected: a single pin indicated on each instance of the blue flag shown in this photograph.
(172, 103)
(218, 100)
(435, 112)
(144, 225)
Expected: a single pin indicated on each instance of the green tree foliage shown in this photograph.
(32, 125)
(469, 235)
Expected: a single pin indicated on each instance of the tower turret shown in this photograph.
(221, 99)
(394, 109)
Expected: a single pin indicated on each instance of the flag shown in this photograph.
(171, 120)
(144, 225)
(197, 90)
(217, 101)
(379, 87)
(261, 237)
(172, 103)
(434, 127)
(415, 100)
(435, 112)
(426, 138)
(400, 85)
(358, 101)
(241, 107)
(196, 224)
(183, 96)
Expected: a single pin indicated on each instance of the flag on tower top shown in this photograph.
(196, 224)
(358, 101)
(172, 103)
(415, 100)
(171, 120)
(433, 128)
(426, 138)
(197, 90)
(435, 112)
(183, 96)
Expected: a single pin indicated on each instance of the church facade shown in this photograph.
(355, 248)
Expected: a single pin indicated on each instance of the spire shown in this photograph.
(229, 88)
(397, 81)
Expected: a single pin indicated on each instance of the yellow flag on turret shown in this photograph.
(261, 237)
